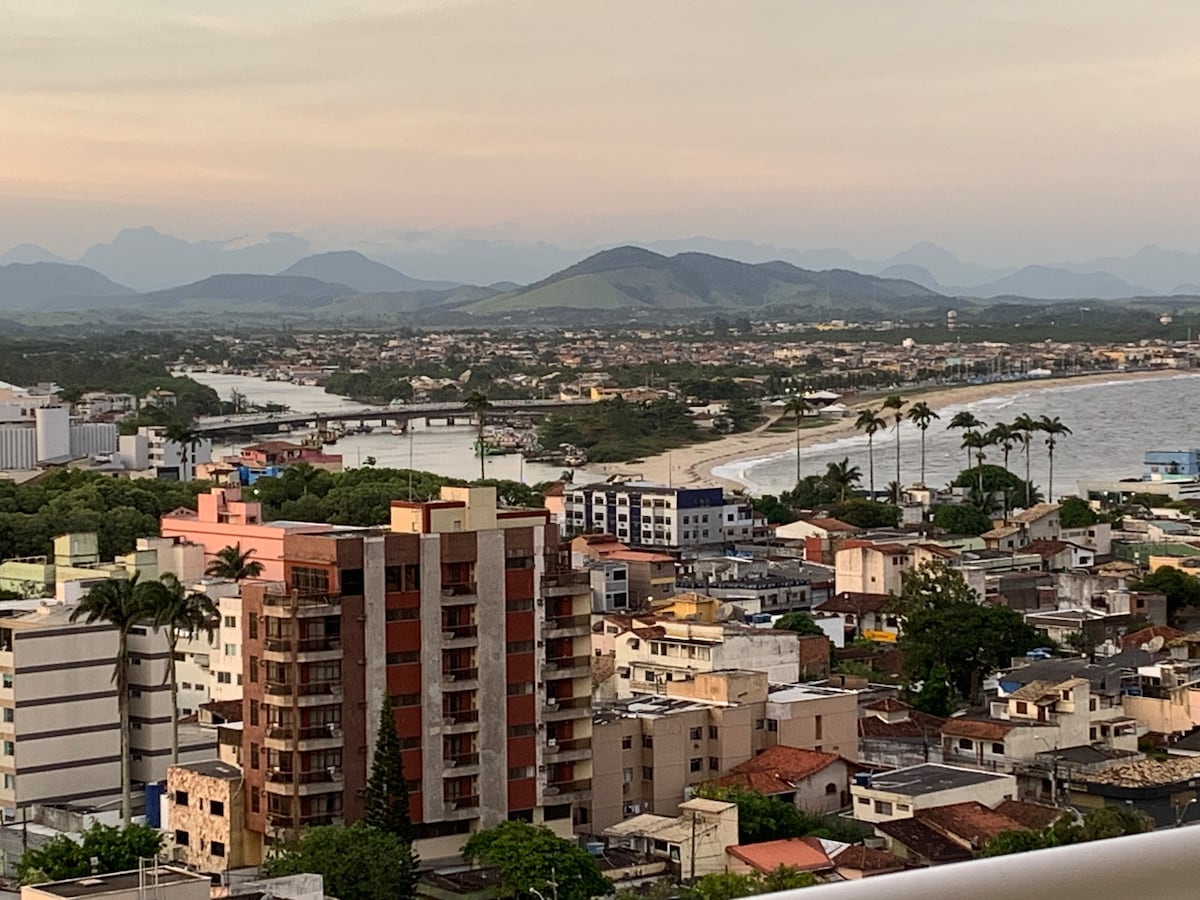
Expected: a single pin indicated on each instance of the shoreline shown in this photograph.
(694, 465)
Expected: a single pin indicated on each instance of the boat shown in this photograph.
(399, 430)
(488, 449)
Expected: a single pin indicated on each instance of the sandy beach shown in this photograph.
(688, 466)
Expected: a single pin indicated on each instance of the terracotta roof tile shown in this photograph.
(969, 823)
(923, 840)
(1035, 816)
(868, 859)
(777, 769)
(981, 729)
(770, 855)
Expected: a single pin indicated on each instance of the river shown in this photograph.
(1112, 424)
(442, 449)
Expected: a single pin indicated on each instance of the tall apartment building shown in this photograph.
(651, 515)
(471, 619)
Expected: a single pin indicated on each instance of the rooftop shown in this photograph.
(777, 769)
(212, 768)
(117, 882)
(1148, 772)
(800, 853)
(929, 778)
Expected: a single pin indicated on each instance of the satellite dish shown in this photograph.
(1154, 644)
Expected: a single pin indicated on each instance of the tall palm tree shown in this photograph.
(895, 403)
(843, 476)
(795, 408)
(122, 604)
(870, 423)
(967, 421)
(1004, 436)
(180, 611)
(975, 442)
(478, 403)
(230, 562)
(922, 415)
(1025, 425)
(185, 434)
(1053, 429)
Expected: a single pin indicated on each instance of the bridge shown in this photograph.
(400, 415)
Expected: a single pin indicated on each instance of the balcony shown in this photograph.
(460, 636)
(569, 790)
(567, 626)
(318, 737)
(569, 708)
(303, 784)
(460, 594)
(568, 667)
(297, 605)
(460, 721)
(566, 584)
(461, 765)
(308, 693)
(287, 649)
(280, 822)
(569, 751)
(470, 802)
(463, 679)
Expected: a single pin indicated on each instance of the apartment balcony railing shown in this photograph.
(278, 605)
(463, 592)
(309, 693)
(460, 761)
(566, 708)
(317, 737)
(565, 584)
(319, 649)
(563, 788)
(579, 748)
(469, 802)
(459, 635)
(460, 674)
(567, 626)
(568, 667)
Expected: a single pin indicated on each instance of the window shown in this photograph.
(760, 724)
(8, 680)
(998, 748)
(252, 624)
(253, 670)
(403, 657)
(965, 744)
(406, 699)
(1091, 704)
(254, 712)
(217, 848)
(1022, 707)
(647, 773)
(864, 801)
(713, 764)
(224, 678)
(306, 579)
(817, 728)
(9, 748)
(517, 688)
(626, 776)
(518, 772)
(516, 731)
(772, 725)
(231, 650)
(255, 801)
(404, 614)
(8, 714)
(181, 838)
(230, 621)
(831, 788)
(712, 732)
(626, 742)
(254, 756)
(216, 807)
(647, 742)
(181, 798)
(696, 734)
(1091, 734)
(519, 647)
(696, 764)
(883, 808)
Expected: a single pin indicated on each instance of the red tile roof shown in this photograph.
(1035, 816)
(868, 860)
(778, 769)
(1166, 632)
(982, 729)
(970, 823)
(923, 840)
(1046, 549)
(768, 856)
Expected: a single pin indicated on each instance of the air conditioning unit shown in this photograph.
(552, 744)
(551, 701)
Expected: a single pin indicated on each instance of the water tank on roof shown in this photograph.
(595, 848)
(863, 779)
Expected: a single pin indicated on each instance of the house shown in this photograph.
(860, 861)
(808, 779)
(1039, 522)
(866, 568)
(864, 615)
(899, 794)
(693, 842)
(1163, 790)
(1059, 555)
(955, 832)
(803, 854)
(892, 734)
(205, 820)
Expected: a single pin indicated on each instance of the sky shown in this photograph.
(1009, 132)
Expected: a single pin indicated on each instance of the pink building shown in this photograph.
(223, 519)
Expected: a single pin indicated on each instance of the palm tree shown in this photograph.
(1025, 425)
(478, 403)
(895, 492)
(232, 563)
(976, 441)
(843, 476)
(1054, 429)
(184, 434)
(967, 421)
(795, 408)
(1005, 436)
(870, 423)
(896, 403)
(922, 415)
(180, 611)
(122, 604)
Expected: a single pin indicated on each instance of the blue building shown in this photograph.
(1171, 465)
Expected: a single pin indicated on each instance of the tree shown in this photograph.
(967, 421)
(945, 627)
(795, 408)
(234, 564)
(976, 441)
(113, 849)
(763, 818)
(478, 403)
(922, 415)
(730, 885)
(1025, 426)
(799, 622)
(866, 513)
(775, 511)
(122, 604)
(529, 857)
(180, 611)
(843, 476)
(386, 801)
(1054, 429)
(895, 403)
(1180, 588)
(1074, 512)
(870, 424)
(185, 434)
(964, 520)
(358, 862)
(1018, 840)
(1005, 437)
(935, 697)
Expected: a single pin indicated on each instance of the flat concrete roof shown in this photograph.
(99, 885)
(930, 778)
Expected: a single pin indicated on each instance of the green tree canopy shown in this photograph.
(530, 857)
(114, 849)
(358, 862)
(386, 801)
(1074, 512)
(731, 885)
(866, 513)
(964, 520)
(799, 622)
(763, 818)
(1100, 823)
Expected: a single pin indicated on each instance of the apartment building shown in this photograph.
(865, 568)
(651, 574)
(650, 652)
(471, 618)
(205, 820)
(59, 732)
(648, 751)
(652, 515)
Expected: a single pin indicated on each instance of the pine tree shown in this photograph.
(385, 802)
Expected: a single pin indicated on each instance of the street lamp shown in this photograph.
(1181, 811)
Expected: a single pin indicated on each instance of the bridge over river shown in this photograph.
(448, 412)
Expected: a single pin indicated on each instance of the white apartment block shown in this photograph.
(650, 515)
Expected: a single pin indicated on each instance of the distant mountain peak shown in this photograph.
(361, 273)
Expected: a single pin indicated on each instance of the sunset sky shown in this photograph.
(1006, 131)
